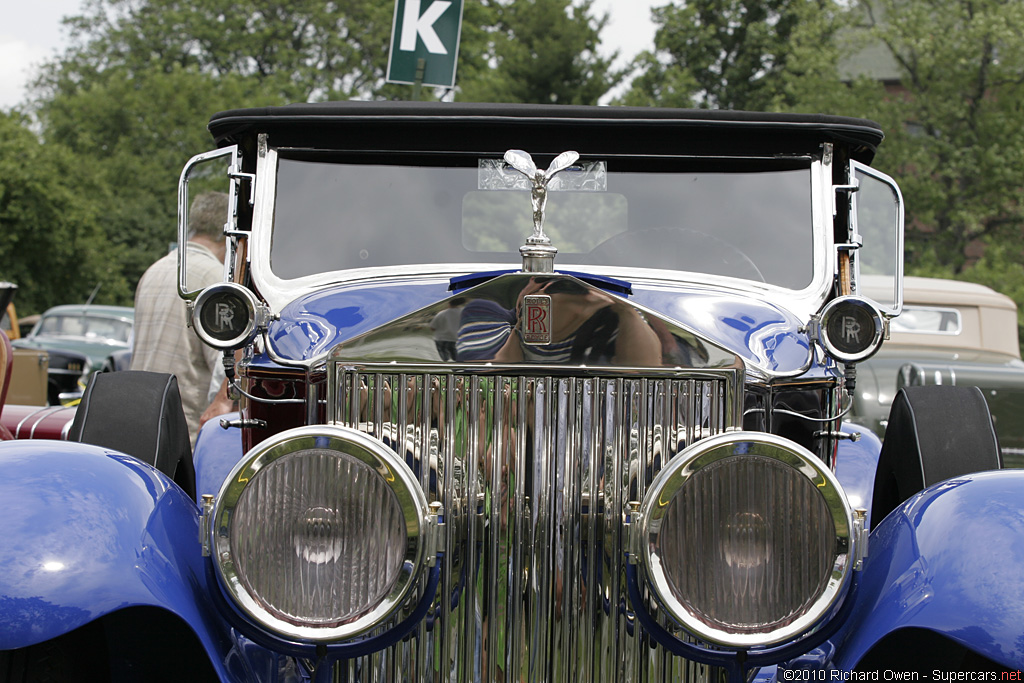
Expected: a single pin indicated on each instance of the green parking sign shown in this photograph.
(426, 30)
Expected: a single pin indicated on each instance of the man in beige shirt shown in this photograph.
(163, 341)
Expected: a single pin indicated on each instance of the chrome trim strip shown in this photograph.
(45, 410)
(66, 429)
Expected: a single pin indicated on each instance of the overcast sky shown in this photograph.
(31, 32)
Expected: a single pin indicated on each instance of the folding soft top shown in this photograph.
(490, 128)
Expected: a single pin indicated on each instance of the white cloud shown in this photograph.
(18, 58)
(629, 28)
(30, 33)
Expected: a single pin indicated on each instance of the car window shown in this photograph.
(928, 319)
(754, 223)
(89, 327)
(61, 326)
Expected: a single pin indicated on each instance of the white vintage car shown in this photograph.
(950, 333)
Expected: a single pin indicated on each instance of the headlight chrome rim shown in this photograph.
(418, 520)
(671, 480)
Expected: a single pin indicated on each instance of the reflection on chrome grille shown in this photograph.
(534, 474)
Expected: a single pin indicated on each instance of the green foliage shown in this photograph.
(52, 240)
(309, 50)
(959, 154)
(544, 52)
(126, 105)
(951, 103)
(736, 54)
(136, 130)
(295, 51)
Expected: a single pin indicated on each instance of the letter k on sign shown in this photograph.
(422, 25)
(425, 39)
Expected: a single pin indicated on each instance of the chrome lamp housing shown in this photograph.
(322, 534)
(745, 540)
(852, 328)
(228, 316)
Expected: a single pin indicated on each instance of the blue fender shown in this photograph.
(950, 559)
(856, 462)
(217, 451)
(88, 531)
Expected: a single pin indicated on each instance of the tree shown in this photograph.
(130, 98)
(544, 52)
(960, 152)
(52, 240)
(135, 131)
(736, 54)
(297, 51)
(304, 50)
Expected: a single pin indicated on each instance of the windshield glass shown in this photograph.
(87, 327)
(753, 224)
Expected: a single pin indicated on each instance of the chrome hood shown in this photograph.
(547, 320)
(400, 321)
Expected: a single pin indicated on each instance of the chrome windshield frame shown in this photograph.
(278, 292)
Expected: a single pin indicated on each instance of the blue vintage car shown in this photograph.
(525, 393)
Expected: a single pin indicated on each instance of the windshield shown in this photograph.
(85, 327)
(753, 224)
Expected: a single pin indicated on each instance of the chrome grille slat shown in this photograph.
(533, 579)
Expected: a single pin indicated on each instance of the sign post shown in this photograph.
(425, 38)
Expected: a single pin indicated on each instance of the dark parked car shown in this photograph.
(525, 393)
(81, 340)
(950, 333)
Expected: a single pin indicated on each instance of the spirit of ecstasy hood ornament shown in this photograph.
(538, 253)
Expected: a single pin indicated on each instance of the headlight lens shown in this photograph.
(746, 539)
(320, 533)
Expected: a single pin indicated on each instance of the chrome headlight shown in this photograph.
(745, 539)
(321, 533)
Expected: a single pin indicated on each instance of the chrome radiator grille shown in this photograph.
(534, 474)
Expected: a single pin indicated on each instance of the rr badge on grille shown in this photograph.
(535, 324)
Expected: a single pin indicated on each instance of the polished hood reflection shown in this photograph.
(538, 319)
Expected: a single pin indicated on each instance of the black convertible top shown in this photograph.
(489, 128)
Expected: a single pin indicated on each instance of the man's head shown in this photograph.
(207, 215)
(206, 220)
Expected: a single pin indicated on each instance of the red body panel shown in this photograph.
(35, 422)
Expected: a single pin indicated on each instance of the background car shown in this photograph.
(954, 333)
(81, 340)
(25, 325)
